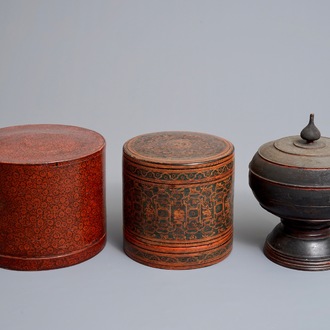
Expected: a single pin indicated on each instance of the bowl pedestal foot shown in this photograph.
(303, 245)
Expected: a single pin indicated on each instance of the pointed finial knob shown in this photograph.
(310, 133)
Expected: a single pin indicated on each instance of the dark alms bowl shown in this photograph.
(290, 178)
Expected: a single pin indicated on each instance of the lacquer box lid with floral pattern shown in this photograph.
(52, 203)
(178, 199)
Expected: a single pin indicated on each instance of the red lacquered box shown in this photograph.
(178, 199)
(52, 196)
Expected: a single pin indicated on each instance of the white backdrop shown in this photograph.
(249, 71)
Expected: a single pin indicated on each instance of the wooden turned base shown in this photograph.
(177, 256)
(52, 262)
(302, 245)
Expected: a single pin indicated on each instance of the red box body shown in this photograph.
(52, 196)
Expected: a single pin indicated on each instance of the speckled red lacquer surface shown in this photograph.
(52, 196)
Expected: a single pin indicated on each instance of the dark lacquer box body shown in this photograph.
(178, 199)
(52, 203)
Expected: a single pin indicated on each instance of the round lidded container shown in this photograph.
(178, 199)
(290, 178)
(52, 196)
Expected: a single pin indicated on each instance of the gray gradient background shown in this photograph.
(249, 71)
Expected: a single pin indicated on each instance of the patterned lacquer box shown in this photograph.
(52, 203)
(178, 199)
